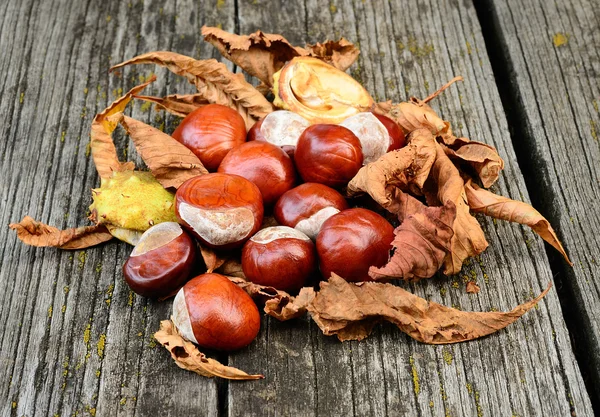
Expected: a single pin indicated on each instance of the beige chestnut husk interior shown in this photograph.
(429, 189)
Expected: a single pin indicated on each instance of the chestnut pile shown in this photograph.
(283, 166)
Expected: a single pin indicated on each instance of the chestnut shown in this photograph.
(264, 164)
(221, 210)
(328, 154)
(161, 262)
(214, 313)
(307, 206)
(279, 257)
(397, 136)
(352, 241)
(282, 128)
(373, 135)
(210, 132)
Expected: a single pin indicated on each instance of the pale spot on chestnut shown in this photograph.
(181, 317)
(157, 236)
(373, 135)
(218, 227)
(312, 225)
(269, 234)
(283, 127)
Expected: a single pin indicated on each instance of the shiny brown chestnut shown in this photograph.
(210, 132)
(328, 154)
(307, 206)
(374, 137)
(352, 241)
(265, 165)
(214, 313)
(161, 262)
(221, 210)
(397, 136)
(279, 257)
(281, 128)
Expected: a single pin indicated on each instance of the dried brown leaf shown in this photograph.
(102, 146)
(468, 239)
(278, 304)
(420, 245)
(350, 310)
(231, 267)
(472, 287)
(416, 114)
(211, 259)
(38, 234)
(503, 208)
(178, 104)
(341, 54)
(214, 82)
(395, 170)
(259, 54)
(187, 356)
(171, 162)
(482, 157)
(263, 54)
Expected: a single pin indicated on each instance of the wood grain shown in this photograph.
(551, 50)
(74, 339)
(529, 369)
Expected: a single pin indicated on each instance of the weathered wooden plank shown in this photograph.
(74, 339)
(528, 369)
(551, 51)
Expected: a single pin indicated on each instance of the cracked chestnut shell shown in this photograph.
(214, 313)
(221, 210)
(279, 257)
(328, 154)
(161, 262)
(265, 165)
(307, 206)
(210, 132)
(352, 241)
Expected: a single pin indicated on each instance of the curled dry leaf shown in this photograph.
(187, 356)
(472, 287)
(341, 54)
(420, 244)
(214, 82)
(231, 267)
(263, 54)
(178, 104)
(278, 304)
(503, 208)
(38, 234)
(102, 146)
(483, 158)
(212, 261)
(397, 170)
(350, 310)
(415, 114)
(468, 239)
(171, 162)
(259, 54)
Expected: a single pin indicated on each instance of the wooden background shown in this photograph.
(75, 341)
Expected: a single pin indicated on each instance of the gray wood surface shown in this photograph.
(73, 340)
(553, 56)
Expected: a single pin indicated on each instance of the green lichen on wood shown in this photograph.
(594, 130)
(560, 39)
(447, 355)
(101, 345)
(415, 375)
(82, 256)
(145, 107)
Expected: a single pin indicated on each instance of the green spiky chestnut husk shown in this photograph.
(131, 202)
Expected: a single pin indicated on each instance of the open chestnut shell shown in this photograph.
(352, 241)
(214, 313)
(279, 257)
(161, 262)
(221, 210)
